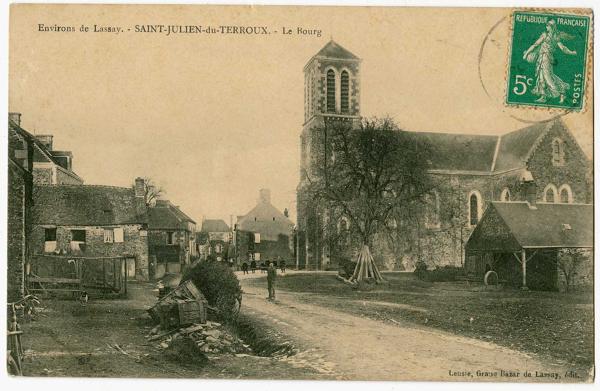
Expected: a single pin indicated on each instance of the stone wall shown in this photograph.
(135, 244)
(42, 176)
(63, 178)
(16, 233)
(573, 172)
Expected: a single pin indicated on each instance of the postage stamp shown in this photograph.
(547, 60)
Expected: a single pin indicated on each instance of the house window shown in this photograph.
(474, 207)
(170, 236)
(118, 235)
(108, 235)
(344, 89)
(330, 91)
(218, 248)
(558, 152)
(257, 237)
(505, 195)
(550, 193)
(565, 194)
(49, 240)
(77, 238)
(257, 256)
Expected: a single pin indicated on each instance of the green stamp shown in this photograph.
(548, 60)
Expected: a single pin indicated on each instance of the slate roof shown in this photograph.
(548, 225)
(515, 146)
(334, 50)
(209, 225)
(165, 215)
(460, 151)
(472, 152)
(267, 220)
(86, 205)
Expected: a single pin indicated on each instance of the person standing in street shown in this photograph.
(253, 266)
(244, 268)
(271, 276)
(282, 266)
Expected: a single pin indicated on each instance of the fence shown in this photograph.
(59, 273)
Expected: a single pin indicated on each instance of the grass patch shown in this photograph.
(551, 324)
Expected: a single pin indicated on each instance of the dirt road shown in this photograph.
(358, 348)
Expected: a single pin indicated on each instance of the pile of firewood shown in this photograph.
(209, 337)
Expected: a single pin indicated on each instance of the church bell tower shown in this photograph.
(331, 93)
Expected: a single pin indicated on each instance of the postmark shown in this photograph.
(548, 60)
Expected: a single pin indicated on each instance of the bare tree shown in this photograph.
(152, 192)
(367, 174)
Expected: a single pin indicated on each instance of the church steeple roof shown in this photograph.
(335, 50)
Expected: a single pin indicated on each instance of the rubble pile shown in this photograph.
(210, 337)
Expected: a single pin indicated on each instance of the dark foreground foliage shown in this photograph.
(219, 285)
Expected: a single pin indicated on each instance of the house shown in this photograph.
(267, 229)
(214, 239)
(20, 201)
(50, 167)
(468, 172)
(92, 221)
(171, 238)
(532, 245)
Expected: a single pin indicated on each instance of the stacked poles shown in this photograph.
(366, 267)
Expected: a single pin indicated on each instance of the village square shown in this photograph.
(406, 255)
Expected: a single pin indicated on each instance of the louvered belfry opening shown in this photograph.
(344, 89)
(330, 91)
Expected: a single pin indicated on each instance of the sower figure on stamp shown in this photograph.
(271, 276)
(548, 84)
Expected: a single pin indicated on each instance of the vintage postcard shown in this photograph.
(300, 192)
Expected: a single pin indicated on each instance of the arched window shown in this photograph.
(505, 195)
(558, 152)
(345, 90)
(474, 207)
(432, 212)
(565, 194)
(330, 91)
(343, 224)
(550, 193)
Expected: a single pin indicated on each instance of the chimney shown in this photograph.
(139, 187)
(15, 117)
(286, 213)
(529, 189)
(264, 196)
(46, 140)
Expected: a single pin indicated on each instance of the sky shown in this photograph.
(212, 118)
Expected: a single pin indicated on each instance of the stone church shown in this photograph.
(542, 162)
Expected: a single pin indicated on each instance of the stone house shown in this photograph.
(270, 229)
(534, 245)
(468, 171)
(171, 238)
(20, 201)
(50, 167)
(215, 238)
(92, 221)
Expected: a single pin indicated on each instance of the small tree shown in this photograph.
(569, 260)
(152, 192)
(367, 174)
